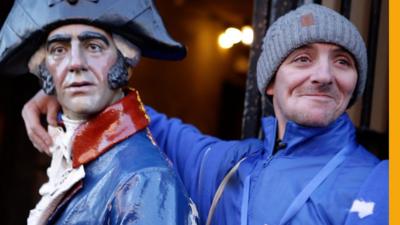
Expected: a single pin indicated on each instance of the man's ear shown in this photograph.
(270, 88)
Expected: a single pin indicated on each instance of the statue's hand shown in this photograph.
(40, 104)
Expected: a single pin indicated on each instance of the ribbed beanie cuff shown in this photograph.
(310, 23)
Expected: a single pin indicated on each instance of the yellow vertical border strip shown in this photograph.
(394, 112)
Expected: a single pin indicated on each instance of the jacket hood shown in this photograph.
(29, 22)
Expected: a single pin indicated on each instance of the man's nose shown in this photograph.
(77, 61)
(323, 73)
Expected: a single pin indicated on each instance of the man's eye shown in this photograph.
(343, 61)
(302, 59)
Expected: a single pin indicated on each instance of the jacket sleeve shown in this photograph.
(184, 144)
(371, 205)
(152, 196)
(201, 160)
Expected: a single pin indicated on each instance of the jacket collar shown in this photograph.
(301, 140)
(114, 124)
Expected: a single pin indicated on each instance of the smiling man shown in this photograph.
(313, 85)
(105, 168)
(309, 168)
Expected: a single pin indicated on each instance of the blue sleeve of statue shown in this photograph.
(152, 196)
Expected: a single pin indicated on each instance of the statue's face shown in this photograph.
(79, 57)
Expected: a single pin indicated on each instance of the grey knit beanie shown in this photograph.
(307, 24)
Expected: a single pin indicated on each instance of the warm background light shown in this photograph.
(232, 36)
(247, 35)
(224, 41)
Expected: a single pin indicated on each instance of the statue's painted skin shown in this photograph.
(79, 58)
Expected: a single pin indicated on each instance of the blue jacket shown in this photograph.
(373, 191)
(267, 184)
(128, 179)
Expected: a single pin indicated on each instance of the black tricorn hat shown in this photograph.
(30, 21)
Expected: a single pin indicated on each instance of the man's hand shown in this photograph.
(40, 104)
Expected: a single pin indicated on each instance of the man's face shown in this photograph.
(79, 57)
(314, 84)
